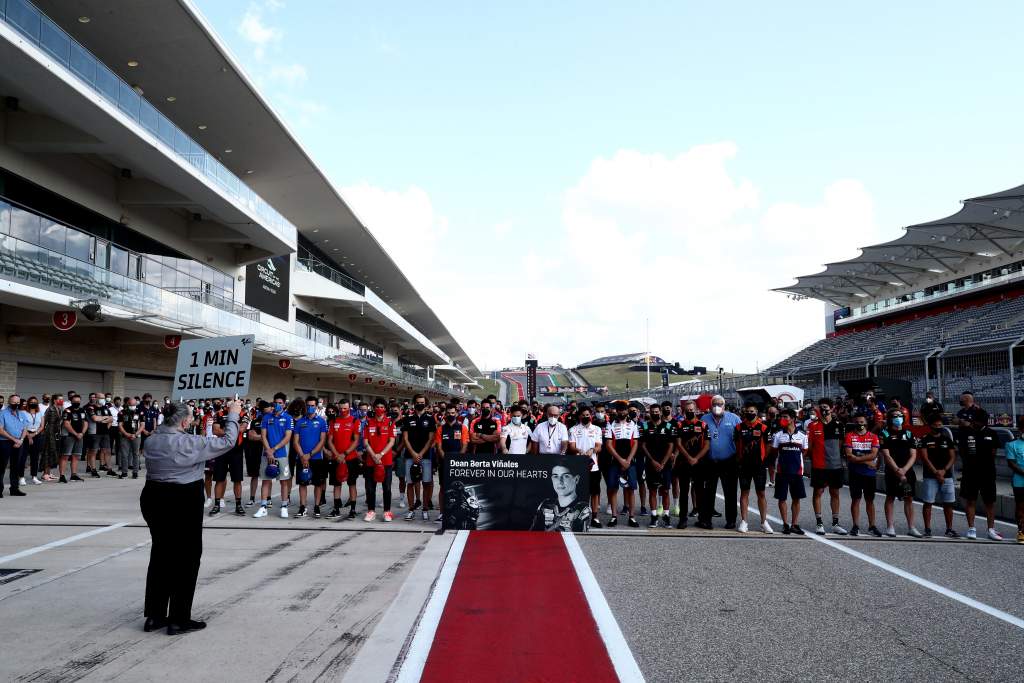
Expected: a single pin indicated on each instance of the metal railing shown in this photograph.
(217, 301)
(30, 22)
(334, 275)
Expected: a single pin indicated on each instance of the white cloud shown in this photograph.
(253, 29)
(289, 74)
(679, 240)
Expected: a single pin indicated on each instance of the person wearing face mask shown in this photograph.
(550, 437)
(772, 420)
(276, 433)
(515, 436)
(721, 427)
(452, 440)
(418, 433)
(52, 419)
(899, 452)
(790, 444)
(689, 471)
(862, 453)
(252, 447)
(752, 445)
(343, 444)
(75, 423)
(34, 438)
(92, 435)
(658, 441)
(968, 410)
(14, 423)
(308, 446)
(585, 441)
(931, 406)
(484, 431)
(621, 438)
(826, 437)
(378, 460)
(130, 428)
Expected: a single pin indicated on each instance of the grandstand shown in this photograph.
(631, 358)
(941, 307)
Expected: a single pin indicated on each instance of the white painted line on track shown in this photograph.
(63, 541)
(614, 642)
(909, 576)
(419, 649)
(123, 551)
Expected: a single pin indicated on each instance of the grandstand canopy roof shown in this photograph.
(986, 228)
(621, 358)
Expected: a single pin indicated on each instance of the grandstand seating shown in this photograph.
(977, 326)
(621, 358)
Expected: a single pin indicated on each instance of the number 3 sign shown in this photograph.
(65, 320)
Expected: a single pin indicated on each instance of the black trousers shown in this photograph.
(727, 471)
(690, 475)
(8, 453)
(174, 513)
(371, 488)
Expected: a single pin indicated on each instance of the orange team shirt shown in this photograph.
(344, 431)
(816, 444)
(377, 434)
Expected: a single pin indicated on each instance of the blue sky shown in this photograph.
(541, 151)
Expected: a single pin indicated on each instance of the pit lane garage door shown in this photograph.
(35, 380)
(157, 385)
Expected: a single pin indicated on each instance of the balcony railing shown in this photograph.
(35, 26)
(332, 274)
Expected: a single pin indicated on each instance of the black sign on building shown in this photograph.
(267, 285)
(531, 378)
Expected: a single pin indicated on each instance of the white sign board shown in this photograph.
(210, 368)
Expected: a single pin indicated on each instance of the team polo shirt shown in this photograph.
(978, 449)
(14, 422)
(720, 434)
(130, 419)
(150, 418)
(420, 429)
(898, 443)
(76, 417)
(484, 427)
(585, 437)
(518, 437)
(751, 442)
(90, 411)
(937, 447)
(276, 427)
(791, 449)
(377, 434)
(452, 436)
(1015, 454)
(309, 430)
(861, 445)
(834, 432)
(344, 431)
(692, 434)
(622, 435)
(816, 443)
(658, 438)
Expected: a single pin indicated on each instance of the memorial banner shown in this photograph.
(517, 492)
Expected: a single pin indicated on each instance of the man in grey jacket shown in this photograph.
(172, 505)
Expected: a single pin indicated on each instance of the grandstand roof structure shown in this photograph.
(621, 358)
(986, 228)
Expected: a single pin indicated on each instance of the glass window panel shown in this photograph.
(107, 83)
(149, 117)
(133, 265)
(83, 63)
(78, 245)
(118, 260)
(54, 40)
(166, 131)
(100, 253)
(151, 271)
(128, 100)
(51, 236)
(24, 17)
(181, 142)
(5, 218)
(25, 225)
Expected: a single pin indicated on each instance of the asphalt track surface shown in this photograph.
(297, 599)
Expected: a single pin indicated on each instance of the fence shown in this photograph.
(986, 371)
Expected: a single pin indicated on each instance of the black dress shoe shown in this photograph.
(18, 492)
(153, 623)
(174, 629)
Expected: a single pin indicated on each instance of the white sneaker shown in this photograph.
(262, 512)
(819, 529)
(838, 530)
(742, 528)
(770, 484)
(994, 535)
(208, 502)
(410, 515)
(766, 527)
(401, 503)
(972, 533)
(914, 533)
(36, 482)
(890, 532)
(21, 482)
(608, 511)
(426, 516)
(284, 512)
